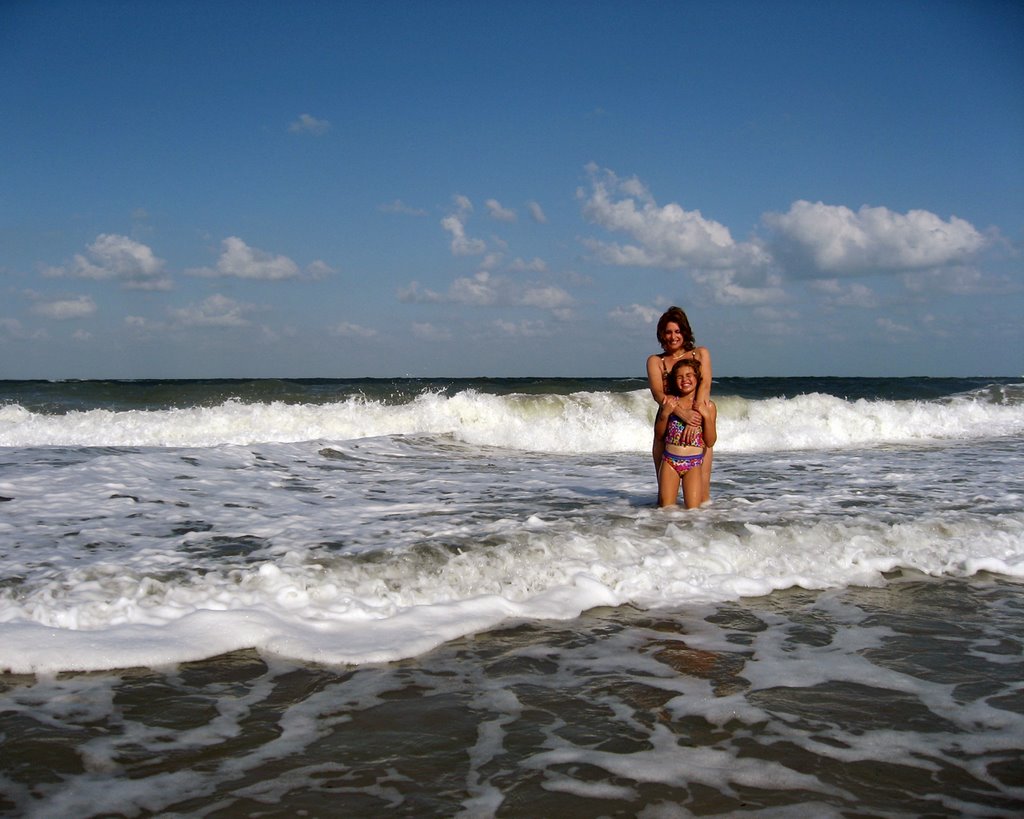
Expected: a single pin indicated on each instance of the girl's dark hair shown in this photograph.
(672, 388)
(677, 315)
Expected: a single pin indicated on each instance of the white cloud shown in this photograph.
(14, 330)
(960, 280)
(307, 124)
(673, 238)
(480, 290)
(776, 314)
(837, 294)
(778, 322)
(635, 315)
(523, 329)
(430, 332)
(810, 240)
(455, 224)
(663, 236)
(398, 206)
(244, 262)
(490, 261)
(535, 265)
(65, 308)
(498, 212)
(814, 238)
(214, 311)
(730, 287)
(319, 269)
(412, 294)
(537, 213)
(348, 330)
(485, 289)
(546, 297)
(891, 328)
(112, 256)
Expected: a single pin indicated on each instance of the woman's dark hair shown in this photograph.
(677, 315)
(672, 387)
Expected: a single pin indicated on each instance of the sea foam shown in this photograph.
(576, 423)
(344, 609)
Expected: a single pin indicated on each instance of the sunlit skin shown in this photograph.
(672, 342)
(669, 480)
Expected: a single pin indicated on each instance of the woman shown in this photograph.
(676, 339)
(683, 455)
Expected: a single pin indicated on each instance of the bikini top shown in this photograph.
(675, 433)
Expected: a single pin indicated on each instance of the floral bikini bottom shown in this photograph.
(683, 463)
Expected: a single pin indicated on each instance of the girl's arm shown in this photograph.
(664, 413)
(710, 414)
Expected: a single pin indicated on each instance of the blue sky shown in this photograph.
(344, 189)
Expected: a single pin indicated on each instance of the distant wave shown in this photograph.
(582, 422)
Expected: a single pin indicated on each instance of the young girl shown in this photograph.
(683, 454)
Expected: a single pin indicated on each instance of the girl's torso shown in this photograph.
(678, 442)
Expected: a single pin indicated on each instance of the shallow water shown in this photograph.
(459, 600)
(905, 700)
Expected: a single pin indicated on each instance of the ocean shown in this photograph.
(456, 598)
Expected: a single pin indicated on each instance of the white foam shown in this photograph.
(342, 610)
(380, 548)
(578, 423)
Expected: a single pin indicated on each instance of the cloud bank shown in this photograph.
(821, 240)
(811, 241)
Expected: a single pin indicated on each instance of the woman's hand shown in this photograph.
(694, 422)
(691, 416)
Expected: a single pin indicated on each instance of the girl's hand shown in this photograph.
(707, 411)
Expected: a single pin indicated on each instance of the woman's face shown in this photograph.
(672, 337)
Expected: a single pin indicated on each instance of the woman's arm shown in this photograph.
(655, 379)
(704, 390)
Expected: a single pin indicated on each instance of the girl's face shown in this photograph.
(686, 380)
(672, 337)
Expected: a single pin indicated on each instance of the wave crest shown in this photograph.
(583, 422)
